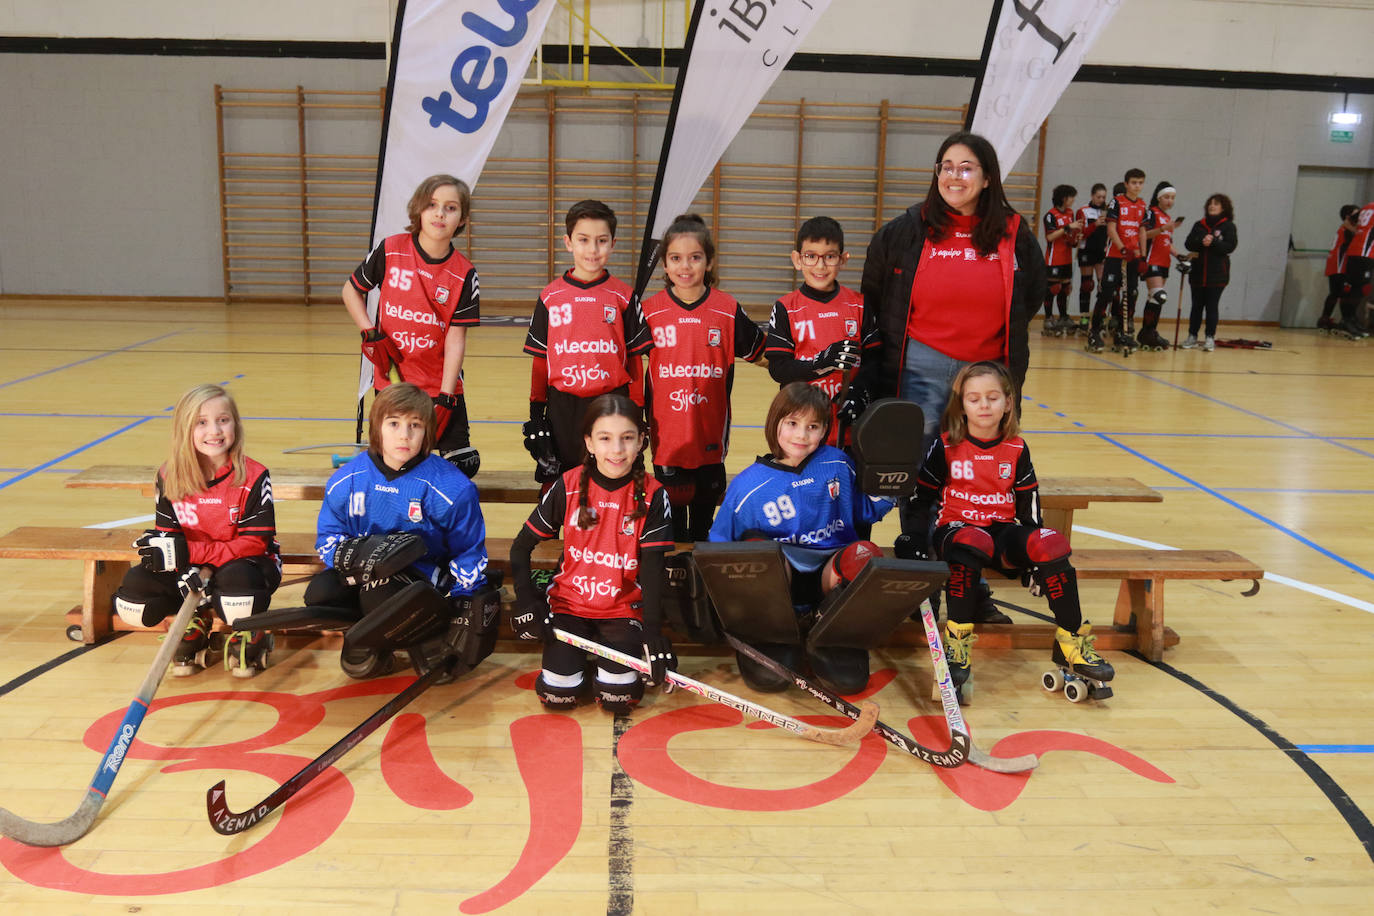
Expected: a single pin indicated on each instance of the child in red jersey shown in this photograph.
(698, 333)
(429, 299)
(216, 532)
(820, 334)
(1092, 250)
(585, 336)
(1122, 269)
(1337, 281)
(616, 529)
(1062, 233)
(1158, 232)
(1359, 268)
(979, 475)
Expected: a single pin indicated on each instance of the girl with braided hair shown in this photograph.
(616, 526)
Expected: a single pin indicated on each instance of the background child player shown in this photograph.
(397, 486)
(429, 298)
(806, 495)
(1337, 281)
(698, 333)
(585, 337)
(1092, 251)
(214, 513)
(819, 333)
(616, 529)
(979, 471)
(1062, 232)
(1121, 270)
(1158, 233)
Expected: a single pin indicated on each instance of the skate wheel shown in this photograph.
(203, 658)
(1076, 691)
(74, 632)
(1053, 681)
(364, 665)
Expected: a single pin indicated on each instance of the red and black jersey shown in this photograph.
(805, 322)
(690, 373)
(598, 574)
(225, 521)
(979, 482)
(1128, 215)
(587, 332)
(421, 298)
(1161, 251)
(1362, 242)
(1058, 251)
(1335, 258)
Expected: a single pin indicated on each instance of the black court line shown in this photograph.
(620, 847)
(1339, 798)
(62, 659)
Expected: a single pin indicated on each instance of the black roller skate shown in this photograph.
(1123, 343)
(1079, 671)
(1149, 339)
(194, 651)
(1327, 325)
(247, 652)
(959, 640)
(1094, 344)
(1350, 331)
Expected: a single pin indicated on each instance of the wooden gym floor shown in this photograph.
(1236, 776)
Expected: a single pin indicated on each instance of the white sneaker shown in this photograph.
(1209, 344)
(1190, 343)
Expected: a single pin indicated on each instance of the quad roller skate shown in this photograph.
(1149, 339)
(959, 640)
(1349, 330)
(247, 652)
(1084, 325)
(1123, 343)
(1094, 344)
(1079, 671)
(1327, 325)
(196, 649)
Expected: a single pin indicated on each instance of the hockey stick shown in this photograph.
(229, 822)
(839, 737)
(958, 741)
(74, 827)
(976, 755)
(1178, 319)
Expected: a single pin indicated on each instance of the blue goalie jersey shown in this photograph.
(816, 504)
(431, 498)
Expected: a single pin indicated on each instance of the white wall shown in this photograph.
(1288, 36)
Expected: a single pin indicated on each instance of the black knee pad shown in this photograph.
(243, 587)
(557, 698)
(143, 609)
(1089, 284)
(618, 698)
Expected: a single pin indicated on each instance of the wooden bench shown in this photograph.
(1059, 497)
(106, 554)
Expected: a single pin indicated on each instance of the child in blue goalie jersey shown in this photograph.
(805, 495)
(397, 485)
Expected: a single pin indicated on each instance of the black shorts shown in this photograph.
(1156, 270)
(1358, 273)
(624, 634)
(1059, 273)
(566, 413)
(1091, 256)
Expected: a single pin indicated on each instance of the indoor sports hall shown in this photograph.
(186, 190)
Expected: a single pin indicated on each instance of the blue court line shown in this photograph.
(1218, 401)
(89, 359)
(1336, 748)
(76, 451)
(1313, 492)
(1307, 542)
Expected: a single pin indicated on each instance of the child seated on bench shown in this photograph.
(216, 533)
(395, 515)
(979, 470)
(806, 495)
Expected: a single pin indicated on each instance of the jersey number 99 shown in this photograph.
(778, 509)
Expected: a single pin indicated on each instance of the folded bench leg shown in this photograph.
(1143, 601)
(102, 578)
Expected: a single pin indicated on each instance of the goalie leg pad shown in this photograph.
(408, 616)
(764, 680)
(473, 630)
(887, 447)
(145, 599)
(558, 696)
(843, 670)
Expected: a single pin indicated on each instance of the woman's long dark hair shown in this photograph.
(611, 405)
(993, 209)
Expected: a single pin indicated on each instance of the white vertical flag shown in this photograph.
(734, 51)
(1035, 48)
(456, 66)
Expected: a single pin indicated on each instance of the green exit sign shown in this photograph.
(1342, 136)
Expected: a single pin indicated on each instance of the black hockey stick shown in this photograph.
(958, 740)
(229, 822)
(74, 827)
(851, 734)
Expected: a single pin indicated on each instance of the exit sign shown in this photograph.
(1342, 136)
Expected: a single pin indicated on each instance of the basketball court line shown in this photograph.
(88, 359)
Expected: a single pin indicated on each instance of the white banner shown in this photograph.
(735, 54)
(1037, 47)
(456, 66)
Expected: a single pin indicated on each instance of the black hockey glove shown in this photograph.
(843, 354)
(381, 350)
(1031, 582)
(539, 443)
(1185, 263)
(532, 620)
(658, 653)
(195, 579)
(855, 403)
(378, 556)
(909, 547)
(162, 551)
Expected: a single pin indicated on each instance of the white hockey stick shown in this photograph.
(74, 827)
(850, 734)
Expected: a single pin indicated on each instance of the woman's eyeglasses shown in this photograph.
(963, 170)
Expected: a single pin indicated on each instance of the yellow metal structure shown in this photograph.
(583, 33)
